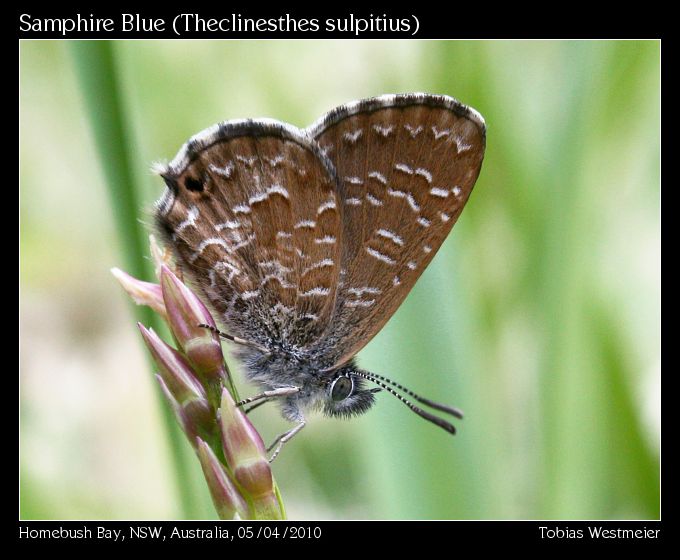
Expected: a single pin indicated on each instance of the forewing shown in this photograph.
(406, 165)
(252, 215)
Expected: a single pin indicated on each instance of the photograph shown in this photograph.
(339, 279)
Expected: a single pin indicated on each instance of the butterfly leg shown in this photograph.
(266, 395)
(235, 339)
(282, 439)
(251, 408)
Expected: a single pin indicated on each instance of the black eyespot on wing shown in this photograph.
(193, 184)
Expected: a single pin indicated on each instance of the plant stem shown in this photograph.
(100, 85)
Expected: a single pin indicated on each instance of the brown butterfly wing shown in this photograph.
(252, 215)
(406, 166)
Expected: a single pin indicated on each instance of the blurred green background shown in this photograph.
(540, 316)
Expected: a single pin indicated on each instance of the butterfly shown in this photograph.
(305, 241)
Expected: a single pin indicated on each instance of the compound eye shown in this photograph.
(341, 388)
